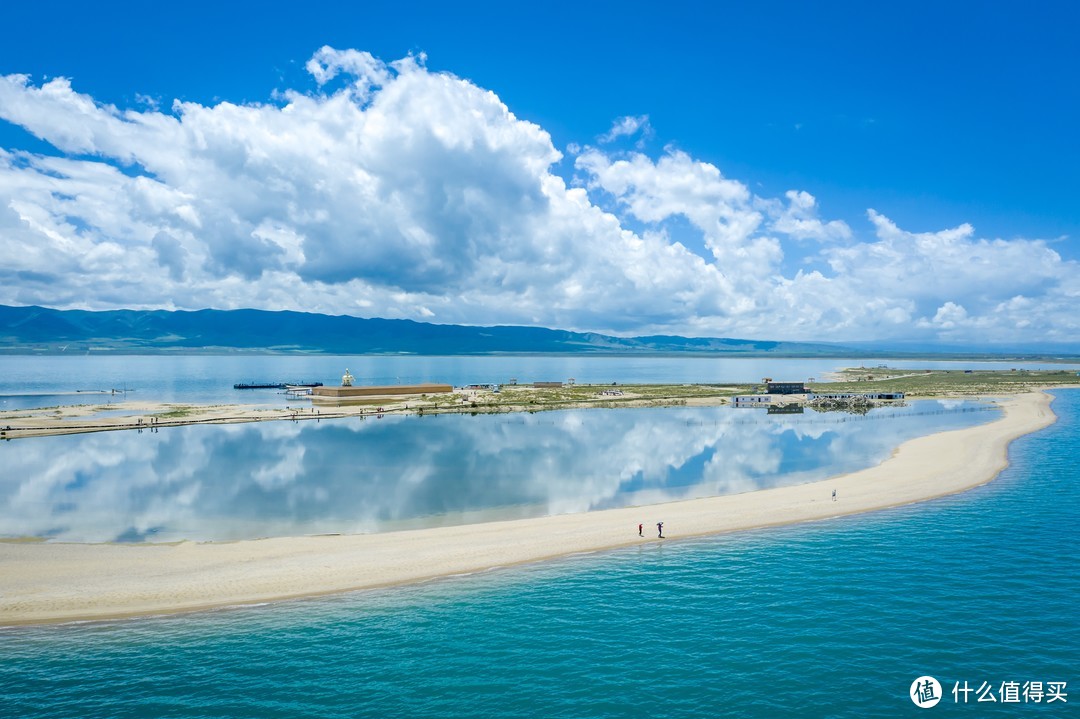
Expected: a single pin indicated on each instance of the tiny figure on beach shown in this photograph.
(639, 530)
(834, 495)
(660, 530)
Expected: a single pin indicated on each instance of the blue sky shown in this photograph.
(782, 163)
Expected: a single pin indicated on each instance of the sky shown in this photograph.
(839, 171)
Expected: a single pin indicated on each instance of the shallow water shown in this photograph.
(829, 619)
(357, 475)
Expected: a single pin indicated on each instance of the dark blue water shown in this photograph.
(830, 619)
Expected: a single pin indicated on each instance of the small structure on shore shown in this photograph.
(347, 379)
(351, 392)
(815, 396)
(785, 387)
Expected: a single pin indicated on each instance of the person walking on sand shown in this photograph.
(660, 530)
(834, 495)
(639, 530)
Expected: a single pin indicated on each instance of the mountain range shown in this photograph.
(43, 330)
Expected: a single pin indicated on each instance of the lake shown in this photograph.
(826, 619)
(357, 475)
(208, 379)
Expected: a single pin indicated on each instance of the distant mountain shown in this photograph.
(44, 330)
(39, 329)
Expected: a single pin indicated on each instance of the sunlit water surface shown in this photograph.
(829, 619)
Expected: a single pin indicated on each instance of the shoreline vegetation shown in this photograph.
(136, 415)
(56, 582)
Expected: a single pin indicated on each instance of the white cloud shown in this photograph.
(365, 70)
(676, 184)
(950, 315)
(394, 191)
(626, 127)
(799, 219)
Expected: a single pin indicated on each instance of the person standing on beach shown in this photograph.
(834, 495)
(660, 530)
(639, 530)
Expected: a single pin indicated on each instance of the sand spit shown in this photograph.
(45, 582)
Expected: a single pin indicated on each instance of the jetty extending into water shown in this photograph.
(275, 385)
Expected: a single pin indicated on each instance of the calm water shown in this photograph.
(209, 379)
(831, 619)
(368, 475)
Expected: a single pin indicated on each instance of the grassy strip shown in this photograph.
(936, 383)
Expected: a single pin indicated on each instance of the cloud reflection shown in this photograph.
(279, 478)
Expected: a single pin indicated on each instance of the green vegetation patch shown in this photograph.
(177, 412)
(932, 383)
(613, 395)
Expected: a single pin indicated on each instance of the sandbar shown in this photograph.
(152, 416)
(45, 582)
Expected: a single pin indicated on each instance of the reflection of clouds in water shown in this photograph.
(235, 481)
(643, 451)
(280, 438)
(753, 451)
(51, 484)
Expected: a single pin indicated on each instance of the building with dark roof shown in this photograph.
(785, 388)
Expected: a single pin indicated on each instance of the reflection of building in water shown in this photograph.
(752, 400)
(856, 402)
(855, 395)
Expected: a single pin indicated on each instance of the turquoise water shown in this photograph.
(830, 619)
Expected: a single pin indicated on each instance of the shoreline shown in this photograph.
(151, 416)
(51, 583)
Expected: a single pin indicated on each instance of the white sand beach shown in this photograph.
(45, 582)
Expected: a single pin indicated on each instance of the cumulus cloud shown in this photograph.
(365, 70)
(386, 189)
(799, 220)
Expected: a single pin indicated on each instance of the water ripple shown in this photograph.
(830, 619)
